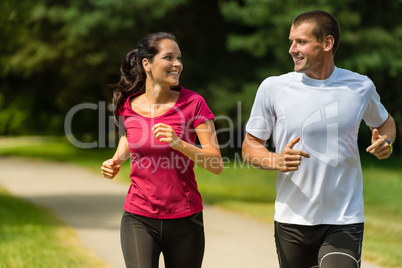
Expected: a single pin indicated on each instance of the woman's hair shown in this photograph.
(324, 24)
(133, 75)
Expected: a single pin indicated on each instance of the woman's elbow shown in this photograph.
(217, 166)
(218, 170)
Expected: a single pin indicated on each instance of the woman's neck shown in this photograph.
(158, 95)
(154, 102)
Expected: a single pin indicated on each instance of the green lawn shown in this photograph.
(32, 237)
(383, 211)
(252, 192)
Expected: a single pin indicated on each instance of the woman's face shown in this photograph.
(166, 66)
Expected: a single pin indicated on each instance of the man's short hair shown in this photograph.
(325, 24)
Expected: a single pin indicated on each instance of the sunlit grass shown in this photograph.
(383, 212)
(32, 237)
(54, 149)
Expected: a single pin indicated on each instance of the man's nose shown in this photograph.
(292, 48)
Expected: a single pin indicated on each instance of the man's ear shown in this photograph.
(329, 43)
(146, 65)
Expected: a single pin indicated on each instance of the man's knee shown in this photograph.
(339, 259)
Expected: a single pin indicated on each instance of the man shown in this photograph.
(314, 114)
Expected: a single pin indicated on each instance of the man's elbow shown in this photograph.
(245, 152)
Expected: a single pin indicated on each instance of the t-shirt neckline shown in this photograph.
(178, 88)
(316, 82)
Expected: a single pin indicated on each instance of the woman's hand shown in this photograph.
(110, 168)
(208, 156)
(165, 133)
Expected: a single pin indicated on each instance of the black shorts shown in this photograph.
(181, 241)
(325, 246)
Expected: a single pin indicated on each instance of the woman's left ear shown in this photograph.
(329, 43)
(146, 65)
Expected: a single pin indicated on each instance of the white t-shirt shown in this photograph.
(326, 114)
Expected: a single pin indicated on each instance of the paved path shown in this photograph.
(93, 206)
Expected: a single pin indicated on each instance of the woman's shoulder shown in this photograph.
(125, 107)
(187, 95)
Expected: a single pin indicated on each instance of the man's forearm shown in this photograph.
(388, 129)
(257, 155)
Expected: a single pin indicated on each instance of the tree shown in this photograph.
(56, 54)
(61, 53)
(370, 44)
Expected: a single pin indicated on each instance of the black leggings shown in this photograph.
(181, 241)
(324, 246)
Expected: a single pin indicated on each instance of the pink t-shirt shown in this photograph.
(163, 183)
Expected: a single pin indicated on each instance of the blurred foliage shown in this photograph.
(56, 54)
(371, 41)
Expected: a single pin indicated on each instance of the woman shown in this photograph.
(161, 121)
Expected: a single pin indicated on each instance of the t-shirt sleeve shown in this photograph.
(375, 114)
(202, 112)
(262, 118)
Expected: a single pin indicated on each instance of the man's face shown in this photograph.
(306, 51)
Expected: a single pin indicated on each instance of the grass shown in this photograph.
(54, 149)
(383, 211)
(252, 192)
(32, 237)
(241, 189)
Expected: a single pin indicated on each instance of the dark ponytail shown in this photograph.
(133, 75)
(132, 80)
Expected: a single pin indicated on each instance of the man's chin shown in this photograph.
(297, 70)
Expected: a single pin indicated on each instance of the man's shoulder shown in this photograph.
(354, 81)
(348, 75)
(281, 80)
(291, 76)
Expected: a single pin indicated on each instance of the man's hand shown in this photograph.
(379, 147)
(290, 159)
